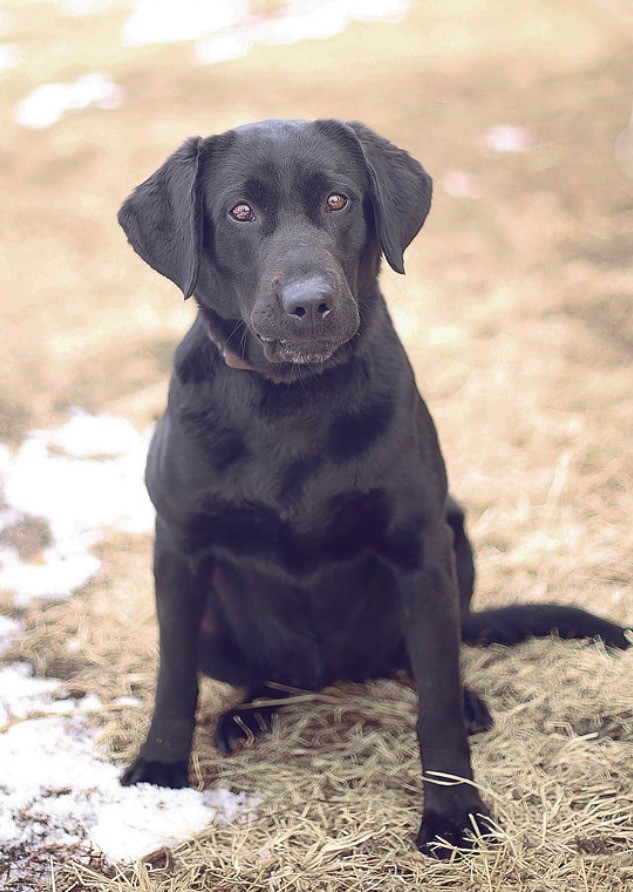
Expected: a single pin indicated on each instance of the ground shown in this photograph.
(516, 312)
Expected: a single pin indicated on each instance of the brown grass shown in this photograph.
(517, 315)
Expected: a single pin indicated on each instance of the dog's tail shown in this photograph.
(509, 625)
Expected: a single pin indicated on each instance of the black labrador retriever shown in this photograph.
(305, 533)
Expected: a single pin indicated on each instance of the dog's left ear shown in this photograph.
(402, 193)
(162, 218)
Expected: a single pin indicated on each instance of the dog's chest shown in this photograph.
(298, 479)
(318, 532)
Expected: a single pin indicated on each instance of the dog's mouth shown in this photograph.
(277, 350)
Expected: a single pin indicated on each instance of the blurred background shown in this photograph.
(516, 309)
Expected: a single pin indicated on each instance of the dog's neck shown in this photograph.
(220, 332)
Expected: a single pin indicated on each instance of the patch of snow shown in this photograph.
(133, 702)
(163, 21)
(461, 185)
(300, 20)
(10, 56)
(47, 104)
(21, 694)
(132, 822)
(92, 436)
(8, 630)
(222, 48)
(9, 516)
(306, 20)
(5, 460)
(82, 478)
(229, 806)
(57, 575)
(228, 30)
(57, 791)
(503, 139)
(88, 703)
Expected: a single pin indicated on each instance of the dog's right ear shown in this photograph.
(162, 218)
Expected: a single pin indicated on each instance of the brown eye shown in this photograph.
(336, 202)
(242, 212)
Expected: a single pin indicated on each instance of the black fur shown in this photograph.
(510, 625)
(304, 529)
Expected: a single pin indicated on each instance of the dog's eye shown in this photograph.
(336, 202)
(242, 212)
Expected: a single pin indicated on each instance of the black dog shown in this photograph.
(304, 530)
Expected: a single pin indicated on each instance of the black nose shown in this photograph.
(309, 301)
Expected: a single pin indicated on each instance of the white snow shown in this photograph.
(163, 21)
(223, 47)
(21, 694)
(58, 574)
(82, 479)
(460, 184)
(91, 436)
(223, 31)
(133, 702)
(48, 103)
(300, 20)
(8, 630)
(10, 56)
(503, 138)
(228, 30)
(56, 790)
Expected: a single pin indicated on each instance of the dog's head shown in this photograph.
(277, 228)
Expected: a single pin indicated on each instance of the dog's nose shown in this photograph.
(309, 301)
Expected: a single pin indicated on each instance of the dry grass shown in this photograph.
(341, 784)
(517, 315)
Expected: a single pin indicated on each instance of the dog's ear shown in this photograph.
(402, 192)
(162, 218)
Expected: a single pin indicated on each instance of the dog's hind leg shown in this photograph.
(464, 560)
(517, 622)
(246, 721)
(476, 713)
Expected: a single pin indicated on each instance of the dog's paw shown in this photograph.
(242, 725)
(459, 829)
(476, 713)
(161, 774)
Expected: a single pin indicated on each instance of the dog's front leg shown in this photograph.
(430, 612)
(164, 757)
